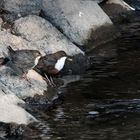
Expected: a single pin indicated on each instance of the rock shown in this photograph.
(1, 21)
(69, 79)
(8, 130)
(74, 67)
(116, 8)
(79, 20)
(122, 3)
(9, 108)
(21, 87)
(44, 35)
(16, 8)
(7, 39)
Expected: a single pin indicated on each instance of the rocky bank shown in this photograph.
(75, 27)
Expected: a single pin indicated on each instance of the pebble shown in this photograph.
(93, 113)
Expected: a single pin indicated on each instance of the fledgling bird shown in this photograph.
(22, 60)
(51, 64)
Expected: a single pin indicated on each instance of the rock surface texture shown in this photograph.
(78, 20)
(9, 108)
(121, 3)
(44, 35)
(21, 87)
(16, 8)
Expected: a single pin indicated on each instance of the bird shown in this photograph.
(51, 64)
(21, 61)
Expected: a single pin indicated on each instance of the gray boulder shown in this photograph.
(9, 108)
(16, 42)
(18, 8)
(21, 87)
(78, 19)
(44, 35)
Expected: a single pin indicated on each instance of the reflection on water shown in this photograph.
(105, 103)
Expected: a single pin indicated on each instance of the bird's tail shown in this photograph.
(10, 49)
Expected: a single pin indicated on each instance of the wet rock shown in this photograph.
(79, 64)
(121, 3)
(49, 96)
(13, 131)
(14, 9)
(116, 9)
(69, 79)
(78, 20)
(40, 32)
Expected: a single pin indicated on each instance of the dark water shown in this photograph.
(105, 103)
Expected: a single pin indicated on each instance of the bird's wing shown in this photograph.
(17, 70)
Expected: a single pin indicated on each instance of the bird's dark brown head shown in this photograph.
(59, 54)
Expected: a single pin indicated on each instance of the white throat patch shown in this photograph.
(60, 63)
(36, 61)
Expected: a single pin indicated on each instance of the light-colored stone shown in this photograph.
(21, 87)
(10, 111)
(7, 39)
(77, 19)
(44, 35)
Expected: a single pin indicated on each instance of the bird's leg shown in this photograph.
(50, 80)
(46, 76)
